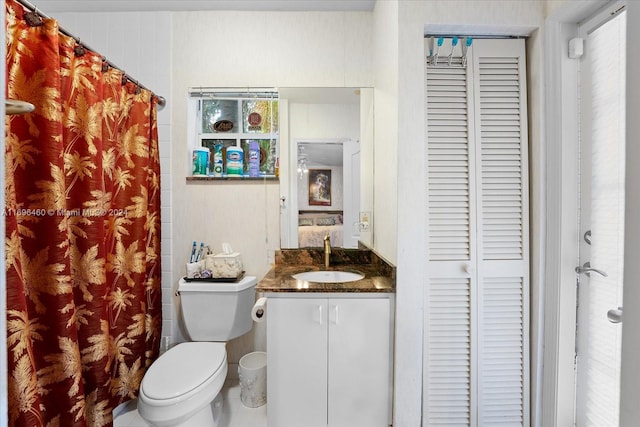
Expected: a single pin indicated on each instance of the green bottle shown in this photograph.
(217, 160)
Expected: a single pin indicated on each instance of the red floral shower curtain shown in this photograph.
(82, 230)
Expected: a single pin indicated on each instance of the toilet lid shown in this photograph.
(182, 369)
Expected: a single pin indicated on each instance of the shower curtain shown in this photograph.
(82, 218)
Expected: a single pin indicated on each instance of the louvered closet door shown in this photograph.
(476, 299)
(451, 206)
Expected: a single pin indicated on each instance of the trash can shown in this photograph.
(253, 379)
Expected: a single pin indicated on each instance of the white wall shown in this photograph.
(385, 98)
(323, 121)
(317, 122)
(367, 157)
(337, 190)
(407, 390)
(251, 49)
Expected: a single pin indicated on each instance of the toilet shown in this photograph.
(182, 387)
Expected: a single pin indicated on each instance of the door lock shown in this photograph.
(615, 316)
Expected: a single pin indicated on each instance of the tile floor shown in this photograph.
(235, 414)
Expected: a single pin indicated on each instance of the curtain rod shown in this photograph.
(476, 37)
(161, 101)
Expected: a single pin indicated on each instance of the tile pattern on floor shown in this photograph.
(235, 414)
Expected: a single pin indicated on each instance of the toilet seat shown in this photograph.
(181, 382)
(183, 369)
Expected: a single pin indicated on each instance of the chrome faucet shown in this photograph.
(327, 251)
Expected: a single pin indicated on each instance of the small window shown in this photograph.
(219, 116)
(260, 116)
(237, 123)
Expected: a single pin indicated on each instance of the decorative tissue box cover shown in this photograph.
(227, 266)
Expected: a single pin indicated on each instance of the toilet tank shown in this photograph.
(214, 311)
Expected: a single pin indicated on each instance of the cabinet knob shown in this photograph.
(469, 268)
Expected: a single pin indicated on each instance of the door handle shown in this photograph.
(334, 318)
(317, 315)
(615, 316)
(586, 269)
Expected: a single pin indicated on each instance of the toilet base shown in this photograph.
(208, 416)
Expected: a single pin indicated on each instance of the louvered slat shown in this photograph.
(501, 151)
(448, 162)
(449, 353)
(501, 344)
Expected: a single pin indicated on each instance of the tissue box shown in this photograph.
(224, 266)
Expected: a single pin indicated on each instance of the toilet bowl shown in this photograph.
(182, 387)
(179, 388)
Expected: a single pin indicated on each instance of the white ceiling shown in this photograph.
(321, 154)
(49, 6)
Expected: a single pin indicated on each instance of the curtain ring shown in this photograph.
(105, 64)
(33, 19)
(79, 49)
(124, 78)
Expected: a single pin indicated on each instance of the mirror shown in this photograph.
(326, 166)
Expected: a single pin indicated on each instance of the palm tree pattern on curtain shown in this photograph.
(82, 231)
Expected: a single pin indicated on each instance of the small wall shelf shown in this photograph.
(205, 178)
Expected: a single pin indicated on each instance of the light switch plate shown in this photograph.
(365, 222)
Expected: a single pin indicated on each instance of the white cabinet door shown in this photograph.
(329, 362)
(297, 362)
(359, 362)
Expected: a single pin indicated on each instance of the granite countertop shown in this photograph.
(379, 275)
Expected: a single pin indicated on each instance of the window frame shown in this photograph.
(198, 138)
(557, 393)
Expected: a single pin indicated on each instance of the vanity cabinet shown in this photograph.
(329, 360)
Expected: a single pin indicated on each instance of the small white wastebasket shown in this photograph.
(252, 371)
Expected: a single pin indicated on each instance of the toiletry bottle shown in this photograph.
(217, 160)
(254, 159)
(234, 161)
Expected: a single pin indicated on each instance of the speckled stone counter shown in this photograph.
(379, 275)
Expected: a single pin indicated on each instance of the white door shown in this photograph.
(602, 202)
(351, 193)
(476, 344)
(359, 362)
(297, 362)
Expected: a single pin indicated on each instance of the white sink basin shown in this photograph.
(328, 276)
